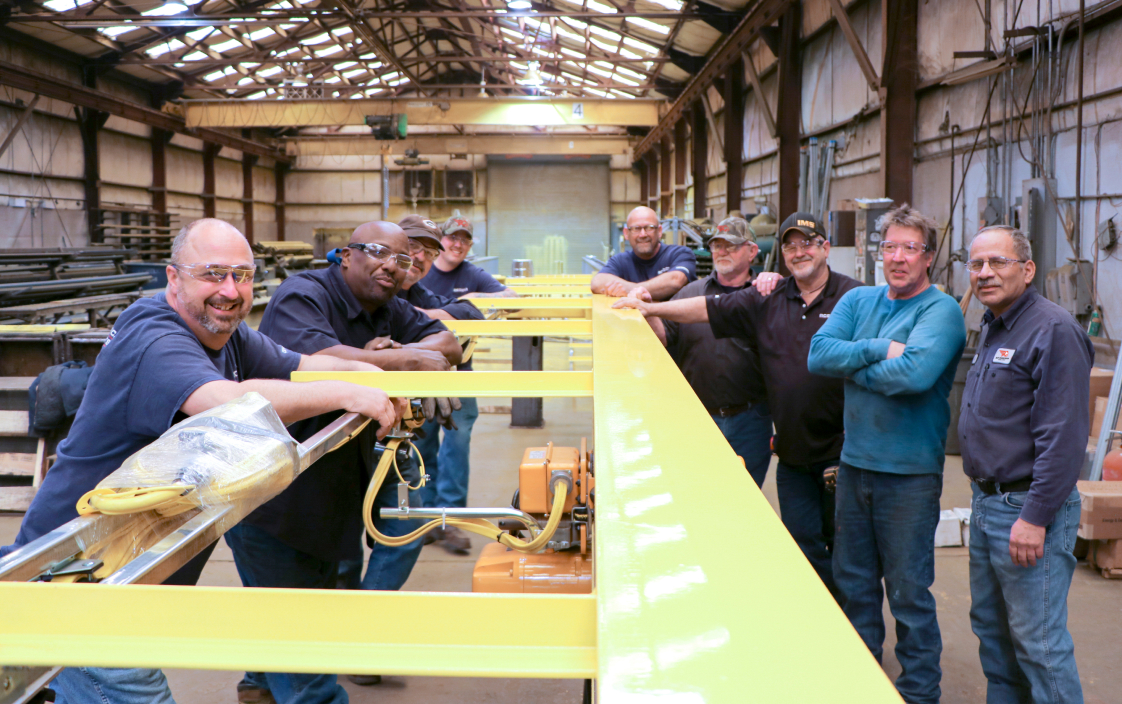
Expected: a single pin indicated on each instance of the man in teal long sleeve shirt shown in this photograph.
(897, 347)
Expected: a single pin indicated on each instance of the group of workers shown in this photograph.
(856, 380)
(184, 351)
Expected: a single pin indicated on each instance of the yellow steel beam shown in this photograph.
(293, 630)
(478, 384)
(530, 303)
(543, 112)
(23, 329)
(461, 144)
(694, 603)
(550, 280)
(519, 328)
(559, 313)
(556, 290)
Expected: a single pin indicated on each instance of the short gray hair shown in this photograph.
(906, 216)
(1021, 245)
(181, 239)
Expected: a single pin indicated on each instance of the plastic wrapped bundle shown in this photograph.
(232, 452)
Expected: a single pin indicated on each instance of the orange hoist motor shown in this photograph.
(565, 565)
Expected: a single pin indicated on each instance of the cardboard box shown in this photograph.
(948, 534)
(1100, 385)
(1099, 416)
(1106, 556)
(1100, 517)
(963, 515)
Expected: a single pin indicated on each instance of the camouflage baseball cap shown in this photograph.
(734, 231)
(457, 224)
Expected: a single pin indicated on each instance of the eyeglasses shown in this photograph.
(910, 249)
(458, 239)
(217, 273)
(793, 247)
(996, 263)
(642, 228)
(416, 248)
(724, 246)
(383, 254)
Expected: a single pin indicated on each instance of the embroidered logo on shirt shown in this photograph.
(823, 315)
(1003, 356)
(112, 334)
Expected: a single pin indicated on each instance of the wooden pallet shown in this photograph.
(13, 424)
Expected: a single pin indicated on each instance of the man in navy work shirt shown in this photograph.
(897, 347)
(168, 357)
(662, 269)
(452, 277)
(807, 408)
(725, 374)
(1023, 429)
(297, 539)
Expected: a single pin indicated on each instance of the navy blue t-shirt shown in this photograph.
(421, 297)
(148, 367)
(321, 512)
(466, 278)
(670, 257)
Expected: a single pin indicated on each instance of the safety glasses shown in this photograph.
(217, 273)
(383, 254)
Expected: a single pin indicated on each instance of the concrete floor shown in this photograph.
(1095, 604)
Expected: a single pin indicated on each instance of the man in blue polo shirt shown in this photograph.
(661, 269)
(297, 539)
(452, 277)
(168, 357)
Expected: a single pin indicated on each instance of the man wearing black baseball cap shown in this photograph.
(807, 409)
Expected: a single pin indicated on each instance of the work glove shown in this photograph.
(440, 410)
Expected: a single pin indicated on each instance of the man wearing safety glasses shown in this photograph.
(168, 357)
(297, 540)
(661, 269)
(897, 347)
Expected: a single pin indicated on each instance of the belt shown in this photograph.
(730, 410)
(990, 487)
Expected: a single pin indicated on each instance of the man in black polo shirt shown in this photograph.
(725, 374)
(168, 357)
(297, 539)
(1023, 430)
(807, 408)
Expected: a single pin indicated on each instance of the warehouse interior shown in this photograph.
(545, 123)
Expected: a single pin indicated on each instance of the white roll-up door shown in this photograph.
(531, 204)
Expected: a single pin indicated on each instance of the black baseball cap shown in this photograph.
(804, 223)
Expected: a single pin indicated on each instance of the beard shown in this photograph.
(198, 311)
(724, 267)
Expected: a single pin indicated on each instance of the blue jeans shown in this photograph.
(389, 568)
(264, 561)
(1020, 613)
(807, 510)
(110, 685)
(885, 528)
(749, 435)
(449, 488)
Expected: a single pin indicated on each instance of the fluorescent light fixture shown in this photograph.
(519, 5)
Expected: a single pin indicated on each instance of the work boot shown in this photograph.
(433, 535)
(365, 680)
(456, 541)
(248, 694)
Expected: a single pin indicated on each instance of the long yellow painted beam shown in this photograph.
(557, 290)
(23, 329)
(530, 303)
(702, 594)
(549, 280)
(477, 384)
(295, 630)
(544, 112)
(460, 144)
(519, 328)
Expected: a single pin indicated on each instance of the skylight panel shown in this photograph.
(256, 96)
(356, 72)
(63, 5)
(599, 71)
(329, 50)
(318, 39)
(340, 31)
(260, 34)
(333, 79)
(600, 7)
(627, 81)
(399, 81)
(219, 75)
(112, 32)
(628, 72)
(389, 76)
(200, 34)
(641, 46)
(342, 66)
(672, 5)
(648, 25)
(171, 8)
(614, 36)
(194, 56)
(226, 46)
(161, 49)
(270, 71)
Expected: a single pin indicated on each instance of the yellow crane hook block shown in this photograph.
(230, 453)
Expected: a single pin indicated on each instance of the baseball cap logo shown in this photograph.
(428, 223)
(806, 223)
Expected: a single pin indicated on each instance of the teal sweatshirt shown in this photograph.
(896, 411)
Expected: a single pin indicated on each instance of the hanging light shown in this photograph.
(533, 77)
(482, 83)
(519, 5)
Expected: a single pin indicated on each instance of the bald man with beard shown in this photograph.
(345, 311)
(661, 269)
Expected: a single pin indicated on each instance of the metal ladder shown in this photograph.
(1110, 421)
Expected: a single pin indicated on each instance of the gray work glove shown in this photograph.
(440, 410)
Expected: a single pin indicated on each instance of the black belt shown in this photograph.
(990, 487)
(730, 410)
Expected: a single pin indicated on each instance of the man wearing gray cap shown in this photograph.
(725, 374)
